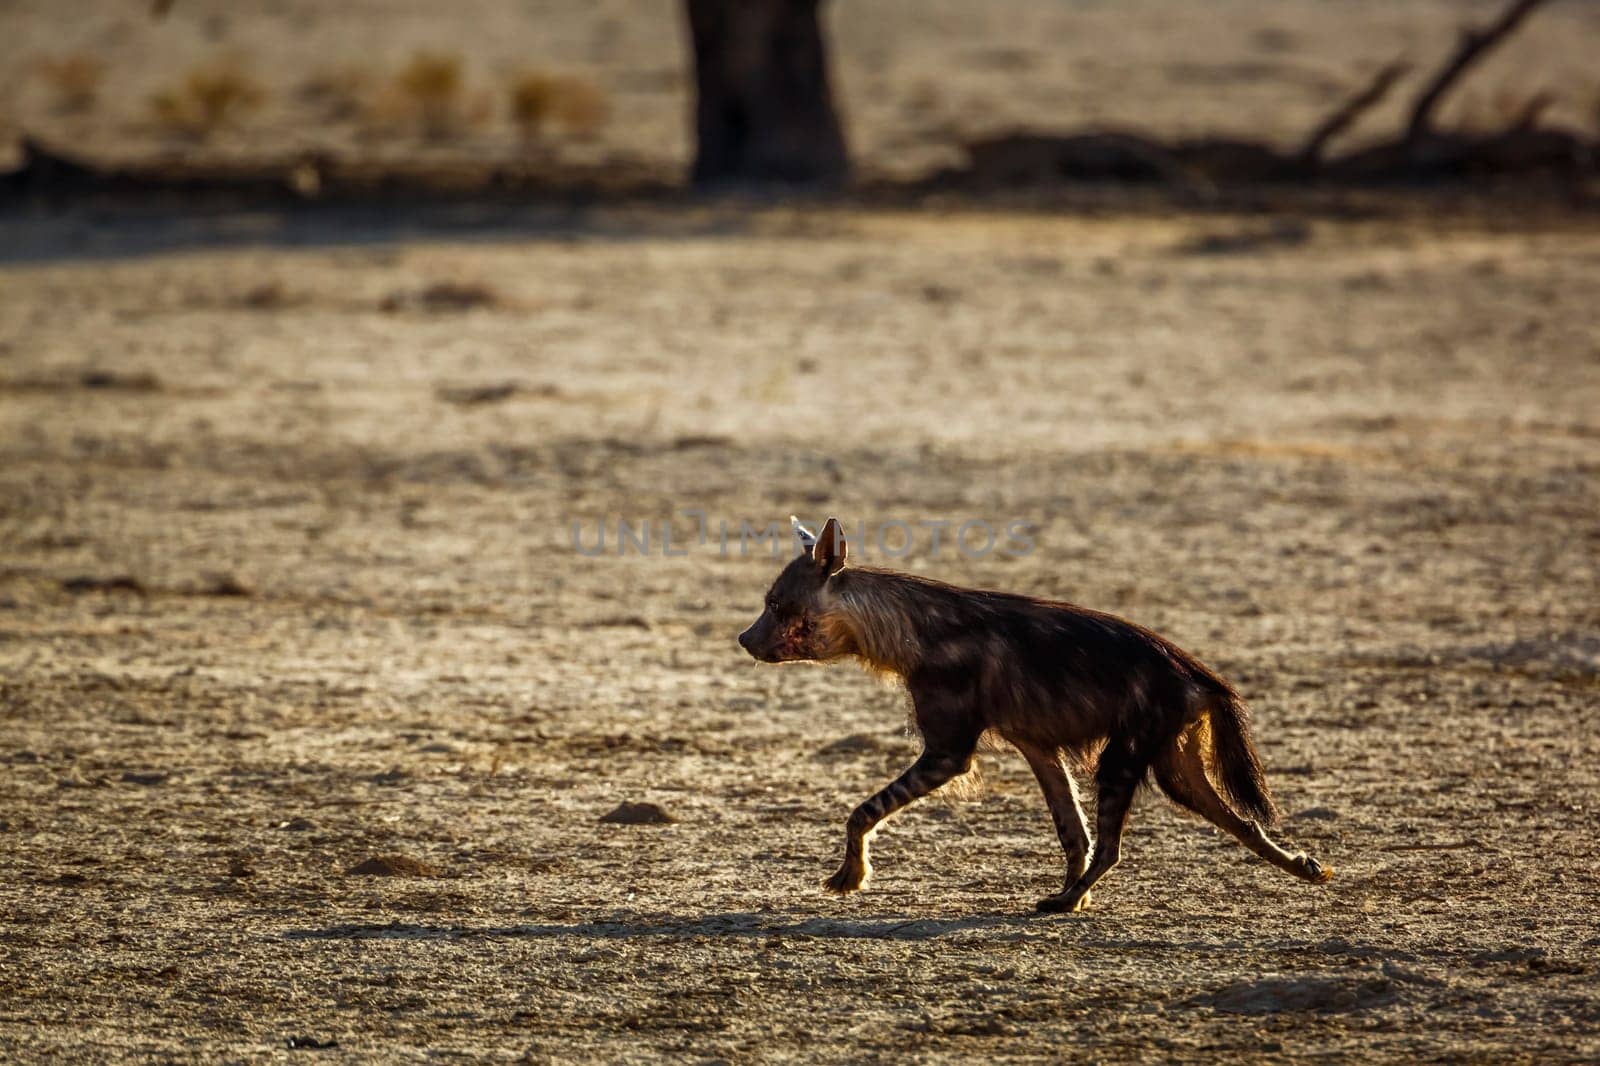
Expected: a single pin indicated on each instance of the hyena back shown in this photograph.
(1061, 683)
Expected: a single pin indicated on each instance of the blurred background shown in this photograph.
(522, 83)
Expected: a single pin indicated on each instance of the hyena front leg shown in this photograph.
(931, 770)
(1061, 796)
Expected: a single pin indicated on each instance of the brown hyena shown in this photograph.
(1063, 684)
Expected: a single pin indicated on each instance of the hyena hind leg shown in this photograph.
(1181, 773)
(1116, 780)
(1066, 811)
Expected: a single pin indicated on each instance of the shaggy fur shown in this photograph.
(1063, 684)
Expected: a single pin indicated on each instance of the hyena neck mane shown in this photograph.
(892, 621)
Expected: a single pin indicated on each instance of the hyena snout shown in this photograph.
(757, 641)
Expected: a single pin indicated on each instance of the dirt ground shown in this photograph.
(288, 584)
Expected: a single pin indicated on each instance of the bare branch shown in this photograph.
(1474, 45)
(1351, 110)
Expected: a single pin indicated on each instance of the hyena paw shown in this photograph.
(1314, 871)
(1062, 903)
(846, 879)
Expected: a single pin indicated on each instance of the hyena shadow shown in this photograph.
(644, 926)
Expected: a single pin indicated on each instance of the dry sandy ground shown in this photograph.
(287, 583)
(914, 76)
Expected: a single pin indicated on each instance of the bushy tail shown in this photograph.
(1238, 770)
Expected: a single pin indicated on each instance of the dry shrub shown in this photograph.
(1486, 114)
(531, 103)
(572, 105)
(74, 80)
(1508, 108)
(430, 93)
(207, 99)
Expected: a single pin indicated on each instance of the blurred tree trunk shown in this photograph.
(763, 109)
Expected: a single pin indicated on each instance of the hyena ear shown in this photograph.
(807, 539)
(829, 552)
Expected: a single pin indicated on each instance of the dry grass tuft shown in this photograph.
(1513, 108)
(74, 81)
(209, 98)
(430, 93)
(572, 105)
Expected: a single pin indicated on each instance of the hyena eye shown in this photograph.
(772, 603)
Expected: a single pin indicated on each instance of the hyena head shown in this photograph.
(800, 622)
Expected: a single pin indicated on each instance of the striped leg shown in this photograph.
(931, 770)
(1061, 796)
(1117, 779)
